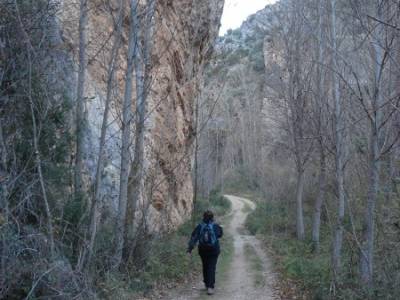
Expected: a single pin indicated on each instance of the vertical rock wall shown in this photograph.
(184, 33)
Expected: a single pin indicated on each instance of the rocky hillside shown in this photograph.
(185, 31)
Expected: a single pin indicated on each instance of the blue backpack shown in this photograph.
(207, 237)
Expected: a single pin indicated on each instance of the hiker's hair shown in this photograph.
(208, 215)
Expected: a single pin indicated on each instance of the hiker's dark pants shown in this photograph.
(209, 266)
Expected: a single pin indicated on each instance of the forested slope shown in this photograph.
(305, 110)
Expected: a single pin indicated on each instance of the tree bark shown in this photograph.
(319, 104)
(339, 155)
(367, 251)
(319, 201)
(83, 18)
(126, 136)
(299, 204)
(196, 152)
(95, 209)
(143, 81)
(4, 201)
(369, 219)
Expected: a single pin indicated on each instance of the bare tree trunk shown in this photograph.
(297, 153)
(126, 136)
(369, 219)
(298, 116)
(367, 251)
(299, 204)
(339, 155)
(321, 132)
(83, 18)
(95, 209)
(388, 184)
(388, 164)
(196, 152)
(4, 201)
(319, 201)
(143, 81)
(217, 158)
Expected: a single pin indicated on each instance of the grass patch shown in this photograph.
(267, 219)
(256, 265)
(297, 262)
(166, 261)
(295, 259)
(225, 259)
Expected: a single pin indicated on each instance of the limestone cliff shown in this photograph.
(184, 33)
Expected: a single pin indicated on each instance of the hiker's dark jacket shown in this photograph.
(196, 236)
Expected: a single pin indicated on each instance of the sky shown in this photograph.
(236, 11)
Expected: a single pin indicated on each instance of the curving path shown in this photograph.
(251, 275)
(246, 281)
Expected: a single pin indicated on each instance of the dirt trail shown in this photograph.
(241, 279)
(251, 275)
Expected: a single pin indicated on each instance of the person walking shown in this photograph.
(207, 235)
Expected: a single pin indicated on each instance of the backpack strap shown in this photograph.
(202, 225)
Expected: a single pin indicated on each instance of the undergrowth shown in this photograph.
(256, 265)
(167, 262)
(296, 260)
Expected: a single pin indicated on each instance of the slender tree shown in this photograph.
(378, 59)
(112, 67)
(339, 145)
(126, 134)
(320, 119)
(143, 82)
(79, 151)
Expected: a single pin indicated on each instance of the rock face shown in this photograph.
(184, 32)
